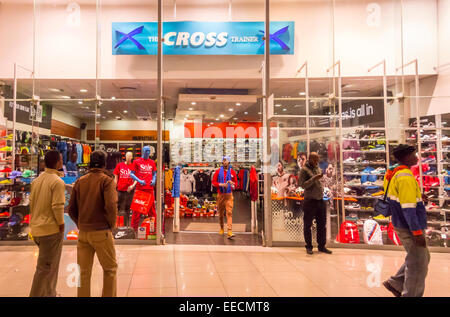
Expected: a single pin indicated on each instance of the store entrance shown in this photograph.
(209, 125)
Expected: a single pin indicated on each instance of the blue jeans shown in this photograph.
(410, 278)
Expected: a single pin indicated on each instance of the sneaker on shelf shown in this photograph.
(6, 182)
(354, 206)
(28, 174)
(380, 217)
(432, 206)
(4, 214)
(7, 137)
(353, 182)
(6, 149)
(379, 182)
(15, 174)
(349, 160)
(6, 170)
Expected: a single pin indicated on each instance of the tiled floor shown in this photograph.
(254, 271)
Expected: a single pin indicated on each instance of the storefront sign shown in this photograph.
(355, 113)
(202, 38)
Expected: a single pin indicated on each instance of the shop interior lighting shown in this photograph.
(65, 97)
(80, 102)
(113, 97)
(83, 90)
(56, 90)
(246, 112)
(277, 105)
(302, 93)
(193, 103)
(125, 111)
(109, 111)
(191, 109)
(259, 113)
(217, 119)
(222, 116)
(284, 109)
(231, 109)
(238, 104)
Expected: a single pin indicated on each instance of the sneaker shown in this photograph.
(221, 231)
(6, 149)
(230, 234)
(309, 251)
(325, 250)
(380, 217)
(6, 182)
(353, 182)
(6, 170)
(391, 289)
(7, 137)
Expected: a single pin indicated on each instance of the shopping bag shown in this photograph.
(141, 202)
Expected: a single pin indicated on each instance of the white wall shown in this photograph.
(65, 51)
(65, 117)
(442, 105)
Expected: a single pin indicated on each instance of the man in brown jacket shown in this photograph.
(93, 207)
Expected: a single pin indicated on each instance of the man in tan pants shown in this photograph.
(225, 181)
(93, 207)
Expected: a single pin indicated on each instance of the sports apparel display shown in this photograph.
(372, 233)
(144, 169)
(123, 171)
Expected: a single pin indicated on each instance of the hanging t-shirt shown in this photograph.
(168, 179)
(143, 169)
(86, 153)
(123, 170)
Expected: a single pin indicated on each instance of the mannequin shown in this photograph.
(143, 171)
(125, 187)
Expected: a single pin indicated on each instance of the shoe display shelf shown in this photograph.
(364, 164)
(433, 143)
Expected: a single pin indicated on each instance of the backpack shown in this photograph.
(348, 233)
(393, 235)
(372, 233)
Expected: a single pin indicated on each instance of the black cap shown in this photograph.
(98, 159)
(402, 150)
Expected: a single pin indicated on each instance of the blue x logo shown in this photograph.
(275, 38)
(129, 36)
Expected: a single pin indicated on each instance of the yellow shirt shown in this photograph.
(47, 203)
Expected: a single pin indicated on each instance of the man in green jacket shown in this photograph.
(314, 205)
(47, 225)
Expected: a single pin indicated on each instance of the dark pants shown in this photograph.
(46, 275)
(124, 202)
(315, 209)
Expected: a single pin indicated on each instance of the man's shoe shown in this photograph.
(230, 234)
(221, 232)
(325, 250)
(309, 251)
(391, 289)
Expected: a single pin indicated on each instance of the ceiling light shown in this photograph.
(83, 90)
(231, 109)
(187, 116)
(104, 117)
(302, 93)
(284, 109)
(238, 104)
(56, 89)
(217, 119)
(276, 112)
(117, 117)
(277, 105)
(191, 109)
(109, 111)
(125, 111)
(246, 112)
(222, 116)
(235, 118)
(65, 97)
(80, 102)
(259, 112)
(193, 103)
(113, 97)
